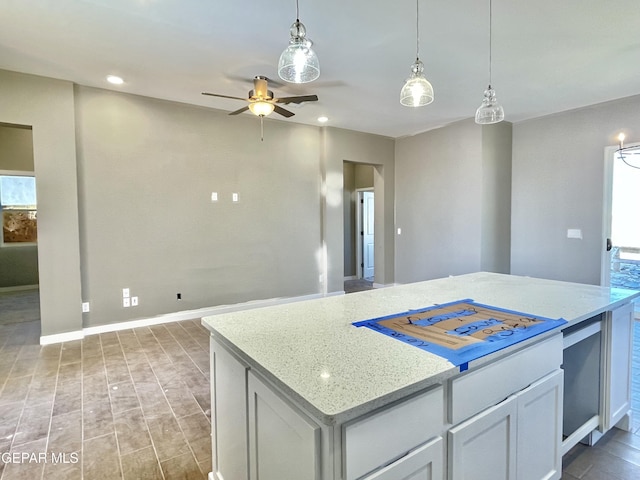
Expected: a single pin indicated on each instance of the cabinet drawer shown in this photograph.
(382, 437)
(481, 388)
(424, 463)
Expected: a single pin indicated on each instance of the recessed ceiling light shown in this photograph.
(115, 80)
(323, 119)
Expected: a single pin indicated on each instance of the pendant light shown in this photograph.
(490, 111)
(298, 63)
(417, 90)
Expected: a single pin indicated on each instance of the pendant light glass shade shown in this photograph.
(298, 63)
(490, 111)
(417, 90)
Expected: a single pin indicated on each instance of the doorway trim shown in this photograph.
(359, 226)
(607, 207)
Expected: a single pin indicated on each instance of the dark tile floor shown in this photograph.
(128, 405)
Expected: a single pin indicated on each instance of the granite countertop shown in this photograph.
(337, 371)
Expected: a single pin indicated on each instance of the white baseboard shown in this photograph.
(351, 277)
(19, 288)
(176, 317)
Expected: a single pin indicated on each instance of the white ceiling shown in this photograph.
(548, 55)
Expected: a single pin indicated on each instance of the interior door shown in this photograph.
(367, 235)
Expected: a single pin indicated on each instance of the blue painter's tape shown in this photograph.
(464, 367)
(461, 356)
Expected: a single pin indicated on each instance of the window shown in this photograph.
(18, 206)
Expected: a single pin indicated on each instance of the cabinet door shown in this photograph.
(484, 447)
(228, 414)
(539, 454)
(424, 463)
(619, 338)
(284, 444)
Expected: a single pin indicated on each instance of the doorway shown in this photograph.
(621, 258)
(358, 179)
(365, 251)
(19, 276)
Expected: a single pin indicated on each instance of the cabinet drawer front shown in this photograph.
(484, 447)
(424, 463)
(488, 385)
(384, 436)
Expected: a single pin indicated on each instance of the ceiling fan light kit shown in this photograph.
(417, 91)
(490, 111)
(261, 108)
(298, 62)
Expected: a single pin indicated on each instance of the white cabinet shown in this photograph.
(618, 330)
(284, 444)
(424, 463)
(517, 439)
(539, 445)
(484, 447)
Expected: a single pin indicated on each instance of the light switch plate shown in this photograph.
(574, 233)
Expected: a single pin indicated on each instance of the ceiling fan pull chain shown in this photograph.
(262, 128)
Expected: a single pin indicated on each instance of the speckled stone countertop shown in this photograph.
(336, 371)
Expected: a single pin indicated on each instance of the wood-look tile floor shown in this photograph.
(135, 404)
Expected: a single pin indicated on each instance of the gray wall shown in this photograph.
(495, 245)
(349, 217)
(16, 148)
(558, 178)
(48, 106)
(451, 200)
(147, 170)
(18, 264)
(144, 173)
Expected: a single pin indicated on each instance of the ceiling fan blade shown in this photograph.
(223, 96)
(298, 99)
(282, 111)
(240, 110)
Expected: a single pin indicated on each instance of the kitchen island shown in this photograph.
(299, 393)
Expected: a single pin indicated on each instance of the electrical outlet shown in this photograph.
(214, 196)
(125, 293)
(235, 197)
(85, 307)
(126, 302)
(134, 301)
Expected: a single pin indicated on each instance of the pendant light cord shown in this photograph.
(417, 30)
(297, 12)
(490, 35)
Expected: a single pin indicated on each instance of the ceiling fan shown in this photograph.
(262, 102)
